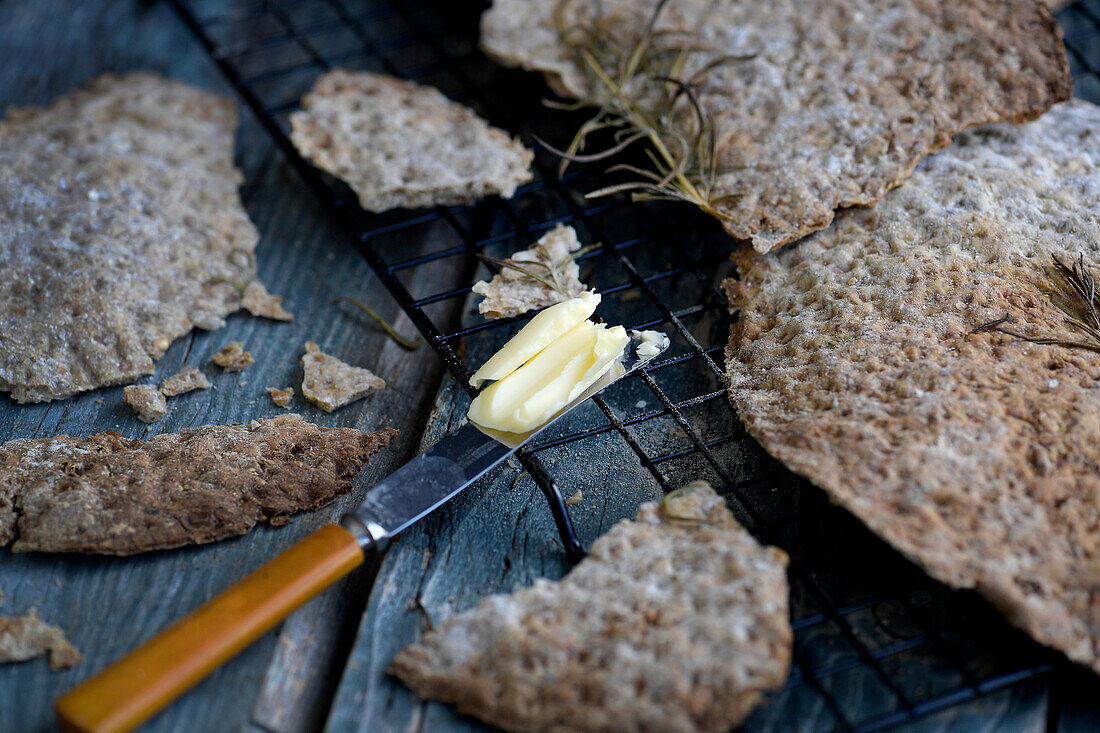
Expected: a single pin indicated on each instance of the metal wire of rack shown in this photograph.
(877, 643)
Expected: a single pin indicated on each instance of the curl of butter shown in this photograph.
(556, 375)
(546, 327)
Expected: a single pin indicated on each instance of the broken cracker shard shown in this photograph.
(113, 495)
(854, 363)
(100, 192)
(696, 588)
(27, 636)
(534, 278)
(330, 383)
(400, 144)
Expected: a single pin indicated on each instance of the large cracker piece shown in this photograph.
(831, 103)
(402, 145)
(330, 383)
(116, 496)
(975, 454)
(514, 291)
(27, 636)
(120, 229)
(676, 621)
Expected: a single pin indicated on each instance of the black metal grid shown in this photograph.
(877, 642)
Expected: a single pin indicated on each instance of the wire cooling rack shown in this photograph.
(877, 643)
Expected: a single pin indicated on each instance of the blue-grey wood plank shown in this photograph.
(109, 605)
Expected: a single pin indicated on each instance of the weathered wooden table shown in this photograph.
(324, 667)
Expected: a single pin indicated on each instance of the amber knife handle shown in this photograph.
(136, 687)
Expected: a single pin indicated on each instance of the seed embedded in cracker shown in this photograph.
(683, 581)
(233, 358)
(281, 397)
(858, 361)
(119, 202)
(27, 636)
(400, 144)
(330, 383)
(116, 496)
(262, 304)
(534, 278)
(146, 400)
(771, 116)
(188, 378)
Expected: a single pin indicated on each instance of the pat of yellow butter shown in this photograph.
(546, 327)
(550, 380)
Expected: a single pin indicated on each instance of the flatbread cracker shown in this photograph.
(676, 621)
(146, 400)
(121, 228)
(402, 145)
(116, 496)
(830, 104)
(330, 383)
(27, 636)
(975, 454)
(516, 291)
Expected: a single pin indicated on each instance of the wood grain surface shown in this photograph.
(324, 668)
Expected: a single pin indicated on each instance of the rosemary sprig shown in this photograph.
(551, 273)
(402, 341)
(641, 92)
(1074, 293)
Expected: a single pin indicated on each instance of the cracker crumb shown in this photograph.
(281, 397)
(669, 624)
(257, 301)
(27, 636)
(146, 400)
(233, 358)
(330, 383)
(185, 380)
(575, 498)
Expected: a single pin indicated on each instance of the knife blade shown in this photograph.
(133, 689)
(459, 459)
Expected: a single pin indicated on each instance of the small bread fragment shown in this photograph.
(815, 105)
(399, 144)
(188, 378)
(117, 496)
(330, 383)
(281, 397)
(121, 228)
(146, 400)
(27, 636)
(233, 358)
(855, 361)
(676, 621)
(262, 304)
(524, 282)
